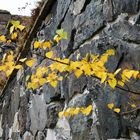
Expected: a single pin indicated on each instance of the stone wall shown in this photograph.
(92, 26)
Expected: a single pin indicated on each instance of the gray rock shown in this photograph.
(40, 136)
(84, 124)
(38, 113)
(88, 22)
(78, 5)
(4, 16)
(52, 111)
(27, 136)
(125, 6)
(22, 115)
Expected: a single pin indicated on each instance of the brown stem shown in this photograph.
(127, 90)
(130, 111)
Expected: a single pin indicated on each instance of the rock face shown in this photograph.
(4, 17)
(93, 26)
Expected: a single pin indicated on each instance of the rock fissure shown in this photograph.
(93, 26)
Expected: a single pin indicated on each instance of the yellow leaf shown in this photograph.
(110, 106)
(78, 73)
(52, 76)
(32, 85)
(37, 44)
(133, 105)
(42, 81)
(117, 110)
(16, 24)
(76, 111)
(66, 114)
(61, 114)
(9, 41)
(46, 44)
(10, 58)
(30, 62)
(104, 58)
(11, 29)
(117, 71)
(23, 59)
(110, 52)
(53, 83)
(62, 33)
(4, 57)
(87, 111)
(57, 38)
(71, 111)
(2, 38)
(49, 54)
(60, 78)
(78, 56)
(135, 74)
(112, 82)
(103, 77)
(127, 73)
(18, 67)
(21, 27)
(27, 77)
(121, 83)
(14, 36)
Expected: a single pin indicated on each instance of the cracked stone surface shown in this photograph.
(93, 26)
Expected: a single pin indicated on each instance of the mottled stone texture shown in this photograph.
(93, 26)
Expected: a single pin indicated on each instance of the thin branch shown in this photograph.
(130, 111)
(52, 59)
(127, 90)
(118, 87)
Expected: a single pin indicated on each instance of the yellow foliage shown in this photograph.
(133, 106)
(37, 44)
(110, 106)
(117, 110)
(75, 111)
(9, 41)
(87, 111)
(117, 71)
(121, 83)
(2, 38)
(110, 52)
(16, 25)
(49, 54)
(30, 62)
(14, 36)
(23, 59)
(46, 44)
(112, 82)
(78, 73)
(57, 38)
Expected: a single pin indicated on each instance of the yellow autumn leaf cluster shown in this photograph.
(2, 38)
(44, 45)
(75, 111)
(15, 26)
(90, 65)
(128, 74)
(30, 62)
(42, 76)
(14, 36)
(61, 34)
(112, 106)
(8, 64)
(37, 79)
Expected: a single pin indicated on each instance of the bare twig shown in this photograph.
(130, 111)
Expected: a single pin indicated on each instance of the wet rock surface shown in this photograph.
(93, 26)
